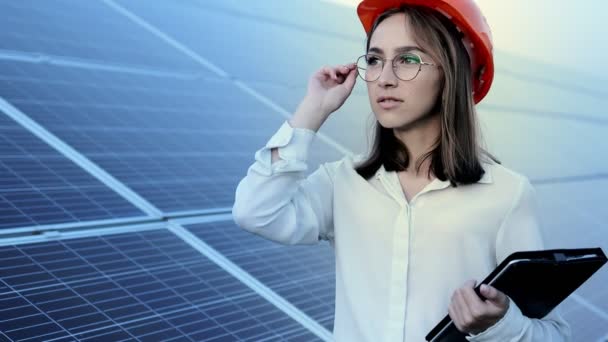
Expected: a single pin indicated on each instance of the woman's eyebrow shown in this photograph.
(400, 49)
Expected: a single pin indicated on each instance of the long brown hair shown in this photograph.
(456, 153)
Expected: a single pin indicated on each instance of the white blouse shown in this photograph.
(397, 263)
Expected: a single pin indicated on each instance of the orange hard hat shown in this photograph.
(469, 20)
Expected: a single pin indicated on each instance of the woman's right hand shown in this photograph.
(329, 87)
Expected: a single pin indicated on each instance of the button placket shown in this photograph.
(401, 251)
(410, 208)
(399, 267)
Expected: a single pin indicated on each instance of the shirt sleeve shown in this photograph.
(276, 200)
(520, 231)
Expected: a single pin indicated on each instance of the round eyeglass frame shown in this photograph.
(393, 65)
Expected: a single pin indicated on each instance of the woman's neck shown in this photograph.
(419, 137)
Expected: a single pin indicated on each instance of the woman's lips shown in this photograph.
(389, 104)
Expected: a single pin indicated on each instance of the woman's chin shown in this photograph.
(390, 120)
(401, 120)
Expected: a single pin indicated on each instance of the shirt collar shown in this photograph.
(390, 180)
(487, 176)
(485, 179)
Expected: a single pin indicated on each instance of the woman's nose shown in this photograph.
(387, 77)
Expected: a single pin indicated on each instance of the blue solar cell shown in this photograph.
(38, 185)
(145, 286)
(183, 143)
(88, 30)
(303, 275)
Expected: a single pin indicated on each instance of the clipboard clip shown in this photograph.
(559, 257)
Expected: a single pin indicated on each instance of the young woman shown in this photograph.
(416, 222)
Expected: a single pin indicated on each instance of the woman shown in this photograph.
(428, 212)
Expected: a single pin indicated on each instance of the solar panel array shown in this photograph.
(145, 286)
(126, 126)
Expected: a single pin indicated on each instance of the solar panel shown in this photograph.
(537, 120)
(529, 83)
(588, 220)
(303, 275)
(321, 17)
(252, 50)
(521, 140)
(181, 142)
(284, 53)
(40, 186)
(145, 286)
(82, 31)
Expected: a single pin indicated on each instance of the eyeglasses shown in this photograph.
(406, 66)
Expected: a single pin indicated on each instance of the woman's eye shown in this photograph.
(372, 60)
(409, 59)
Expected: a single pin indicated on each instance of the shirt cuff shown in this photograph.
(510, 325)
(293, 145)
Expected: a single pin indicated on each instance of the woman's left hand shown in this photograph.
(471, 314)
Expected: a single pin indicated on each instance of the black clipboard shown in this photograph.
(537, 281)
